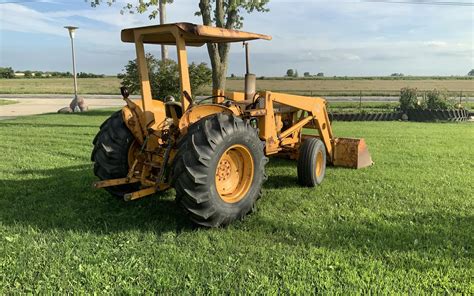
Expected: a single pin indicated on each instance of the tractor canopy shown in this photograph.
(193, 35)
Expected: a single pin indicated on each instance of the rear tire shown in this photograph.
(211, 146)
(110, 153)
(311, 163)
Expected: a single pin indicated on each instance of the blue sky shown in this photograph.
(346, 37)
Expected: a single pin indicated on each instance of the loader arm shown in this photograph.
(316, 107)
(345, 152)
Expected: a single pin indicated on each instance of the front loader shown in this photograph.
(212, 150)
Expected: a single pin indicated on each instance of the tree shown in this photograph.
(220, 13)
(296, 74)
(290, 73)
(164, 77)
(306, 74)
(320, 74)
(471, 73)
(7, 72)
(28, 74)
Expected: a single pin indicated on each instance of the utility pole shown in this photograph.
(162, 8)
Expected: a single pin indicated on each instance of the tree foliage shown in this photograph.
(471, 73)
(140, 6)
(7, 72)
(164, 77)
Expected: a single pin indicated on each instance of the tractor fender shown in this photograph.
(138, 121)
(131, 118)
(196, 113)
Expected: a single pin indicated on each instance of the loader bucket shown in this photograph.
(351, 153)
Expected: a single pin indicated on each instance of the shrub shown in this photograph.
(439, 100)
(409, 99)
(164, 77)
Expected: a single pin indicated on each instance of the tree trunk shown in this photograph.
(162, 9)
(218, 53)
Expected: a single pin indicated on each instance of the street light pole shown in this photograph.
(72, 31)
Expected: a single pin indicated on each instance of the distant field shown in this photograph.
(108, 85)
(315, 87)
(336, 87)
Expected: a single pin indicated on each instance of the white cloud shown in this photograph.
(436, 44)
(19, 18)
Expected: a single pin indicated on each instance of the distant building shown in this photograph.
(19, 74)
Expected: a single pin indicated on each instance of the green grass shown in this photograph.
(404, 225)
(369, 107)
(7, 102)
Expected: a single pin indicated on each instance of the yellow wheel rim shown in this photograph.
(132, 153)
(234, 173)
(319, 163)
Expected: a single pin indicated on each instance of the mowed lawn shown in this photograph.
(404, 225)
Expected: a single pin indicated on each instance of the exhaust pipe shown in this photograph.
(250, 79)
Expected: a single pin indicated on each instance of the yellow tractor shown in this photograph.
(213, 150)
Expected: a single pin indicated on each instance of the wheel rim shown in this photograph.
(234, 173)
(319, 163)
(132, 153)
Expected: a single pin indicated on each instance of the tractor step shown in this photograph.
(114, 182)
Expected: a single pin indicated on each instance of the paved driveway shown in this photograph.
(39, 104)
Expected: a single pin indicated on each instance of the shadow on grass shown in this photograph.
(432, 233)
(97, 112)
(63, 198)
(48, 125)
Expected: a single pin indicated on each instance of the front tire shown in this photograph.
(311, 163)
(110, 155)
(219, 170)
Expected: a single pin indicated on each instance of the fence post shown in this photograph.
(360, 101)
(460, 98)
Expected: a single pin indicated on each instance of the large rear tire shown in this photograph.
(110, 155)
(311, 163)
(219, 170)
